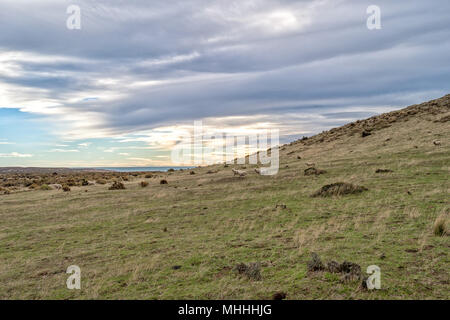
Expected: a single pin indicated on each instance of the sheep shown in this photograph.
(239, 173)
(310, 164)
(436, 142)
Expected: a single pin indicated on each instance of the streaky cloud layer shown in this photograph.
(138, 71)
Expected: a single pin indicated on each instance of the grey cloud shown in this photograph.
(325, 67)
(348, 115)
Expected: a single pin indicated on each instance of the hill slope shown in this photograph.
(182, 240)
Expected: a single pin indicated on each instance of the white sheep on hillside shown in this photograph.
(239, 173)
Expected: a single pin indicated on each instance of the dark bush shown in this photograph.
(338, 189)
(144, 184)
(117, 186)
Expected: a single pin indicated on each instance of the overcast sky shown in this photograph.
(124, 88)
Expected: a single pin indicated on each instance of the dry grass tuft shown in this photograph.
(251, 271)
(315, 264)
(338, 189)
(117, 186)
(314, 171)
(383, 171)
(440, 227)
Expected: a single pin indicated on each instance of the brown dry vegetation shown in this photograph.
(15, 180)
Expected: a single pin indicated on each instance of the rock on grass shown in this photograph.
(279, 296)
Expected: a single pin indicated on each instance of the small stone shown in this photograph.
(279, 296)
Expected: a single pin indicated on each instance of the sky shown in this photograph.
(128, 85)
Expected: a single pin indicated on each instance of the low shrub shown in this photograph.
(440, 227)
(313, 171)
(144, 184)
(117, 186)
(252, 270)
(338, 189)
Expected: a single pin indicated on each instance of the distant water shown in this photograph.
(141, 169)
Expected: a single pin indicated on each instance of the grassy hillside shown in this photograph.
(183, 239)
